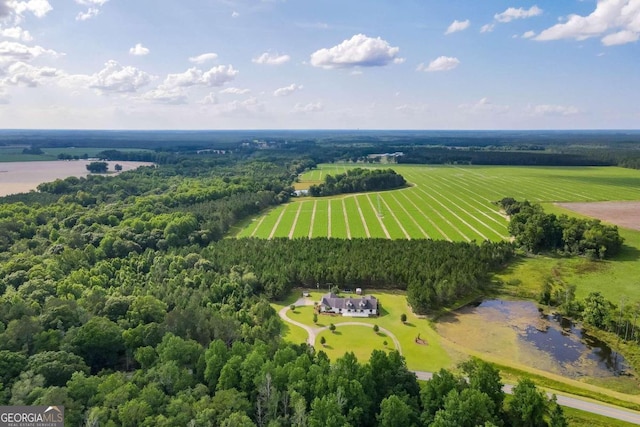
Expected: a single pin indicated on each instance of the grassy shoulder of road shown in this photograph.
(564, 386)
(578, 418)
(429, 355)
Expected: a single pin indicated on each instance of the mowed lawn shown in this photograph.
(444, 202)
(362, 340)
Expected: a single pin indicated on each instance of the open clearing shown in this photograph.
(623, 214)
(444, 202)
(363, 340)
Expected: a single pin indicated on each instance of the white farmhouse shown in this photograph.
(350, 307)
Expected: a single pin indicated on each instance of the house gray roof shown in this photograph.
(333, 301)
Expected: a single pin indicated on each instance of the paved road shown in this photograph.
(568, 401)
(572, 402)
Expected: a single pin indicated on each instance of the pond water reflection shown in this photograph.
(518, 331)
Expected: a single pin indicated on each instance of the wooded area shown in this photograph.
(121, 299)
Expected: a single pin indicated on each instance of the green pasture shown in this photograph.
(443, 202)
(363, 340)
(14, 153)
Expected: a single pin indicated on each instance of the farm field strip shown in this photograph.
(269, 223)
(458, 229)
(370, 217)
(478, 206)
(313, 218)
(355, 222)
(443, 220)
(431, 221)
(346, 219)
(408, 215)
(444, 202)
(295, 220)
(253, 233)
(532, 191)
(378, 217)
(395, 218)
(474, 218)
(283, 226)
(303, 220)
(364, 222)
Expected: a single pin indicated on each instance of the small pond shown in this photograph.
(518, 331)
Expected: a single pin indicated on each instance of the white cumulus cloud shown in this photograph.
(458, 26)
(210, 99)
(487, 28)
(517, 13)
(139, 50)
(312, 107)
(114, 78)
(216, 76)
(92, 2)
(38, 7)
(554, 110)
(235, 91)
(271, 59)
(92, 12)
(442, 63)
(528, 34)
(200, 59)
(14, 51)
(16, 33)
(20, 73)
(358, 51)
(163, 95)
(616, 21)
(287, 90)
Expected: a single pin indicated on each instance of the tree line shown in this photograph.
(536, 231)
(358, 180)
(434, 273)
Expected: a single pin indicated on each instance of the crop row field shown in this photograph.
(443, 202)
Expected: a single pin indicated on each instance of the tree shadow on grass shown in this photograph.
(381, 334)
(337, 333)
(320, 325)
(411, 325)
(627, 253)
(327, 347)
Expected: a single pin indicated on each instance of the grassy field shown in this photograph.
(443, 202)
(363, 340)
(14, 153)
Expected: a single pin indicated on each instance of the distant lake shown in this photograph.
(22, 177)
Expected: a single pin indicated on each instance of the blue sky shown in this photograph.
(307, 64)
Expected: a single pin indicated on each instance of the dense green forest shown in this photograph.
(358, 180)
